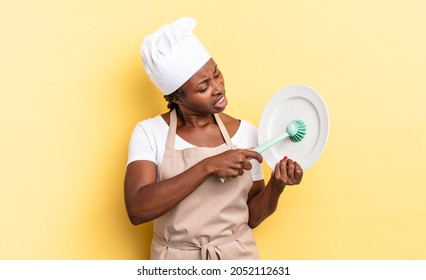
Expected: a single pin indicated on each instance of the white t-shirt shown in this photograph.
(148, 142)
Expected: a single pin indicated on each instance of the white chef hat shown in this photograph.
(172, 54)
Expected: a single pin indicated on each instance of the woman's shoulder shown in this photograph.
(234, 122)
(153, 123)
(229, 120)
(237, 126)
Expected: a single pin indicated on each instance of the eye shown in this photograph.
(202, 87)
(217, 73)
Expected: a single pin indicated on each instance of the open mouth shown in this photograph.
(220, 101)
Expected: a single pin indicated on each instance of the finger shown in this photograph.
(237, 172)
(283, 169)
(290, 170)
(238, 165)
(234, 173)
(298, 172)
(277, 170)
(252, 154)
(241, 172)
(247, 165)
(238, 159)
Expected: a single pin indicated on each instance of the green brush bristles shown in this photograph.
(296, 130)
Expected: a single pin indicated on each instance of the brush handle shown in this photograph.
(266, 145)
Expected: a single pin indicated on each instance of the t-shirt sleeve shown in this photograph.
(141, 147)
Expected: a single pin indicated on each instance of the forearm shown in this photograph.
(264, 203)
(155, 199)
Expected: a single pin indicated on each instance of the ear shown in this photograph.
(177, 98)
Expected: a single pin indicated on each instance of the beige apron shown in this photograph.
(211, 223)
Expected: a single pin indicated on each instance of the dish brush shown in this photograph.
(296, 131)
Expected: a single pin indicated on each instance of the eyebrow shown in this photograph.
(206, 79)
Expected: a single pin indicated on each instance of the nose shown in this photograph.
(217, 86)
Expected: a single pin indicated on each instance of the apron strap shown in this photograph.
(223, 130)
(170, 143)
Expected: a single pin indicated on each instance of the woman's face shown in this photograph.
(204, 92)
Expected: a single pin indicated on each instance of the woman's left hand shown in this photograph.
(287, 172)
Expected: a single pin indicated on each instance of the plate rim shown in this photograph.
(321, 109)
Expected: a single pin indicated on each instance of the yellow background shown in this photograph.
(72, 88)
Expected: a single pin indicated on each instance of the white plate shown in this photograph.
(290, 103)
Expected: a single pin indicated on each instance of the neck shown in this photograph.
(194, 120)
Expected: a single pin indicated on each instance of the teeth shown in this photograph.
(220, 100)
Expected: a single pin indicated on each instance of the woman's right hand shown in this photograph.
(232, 163)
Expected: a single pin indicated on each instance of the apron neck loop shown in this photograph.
(170, 143)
